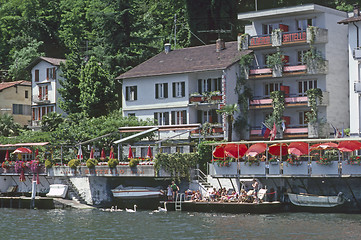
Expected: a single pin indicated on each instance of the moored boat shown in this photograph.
(136, 192)
(316, 201)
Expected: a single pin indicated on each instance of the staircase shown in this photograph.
(73, 192)
(201, 178)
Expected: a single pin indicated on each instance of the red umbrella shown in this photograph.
(111, 154)
(278, 149)
(323, 146)
(218, 152)
(102, 154)
(235, 150)
(256, 149)
(91, 156)
(23, 150)
(149, 152)
(349, 146)
(298, 148)
(130, 154)
(7, 156)
(80, 154)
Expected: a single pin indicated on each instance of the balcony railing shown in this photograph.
(267, 102)
(41, 99)
(288, 130)
(208, 98)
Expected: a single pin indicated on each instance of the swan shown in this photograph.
(163, 209)
(131, 210)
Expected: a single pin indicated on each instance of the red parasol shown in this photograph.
(130, 154)
(298, 148)
(111, 154)
(349, 146)
(149, 152)
(91, 156)
(102, 154)
(80, 153)
(218, 152)
(278, 149)
(235, 150)
(323, 146)
(23, 150)
(256, 149)
(7, 155)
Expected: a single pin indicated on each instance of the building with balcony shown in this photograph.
(313, 48)
(354, 57)
(45, 75)
(15, 100)
(184, 86)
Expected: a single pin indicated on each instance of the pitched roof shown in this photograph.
(5, 85)
(192, 59)
(53, 61)
(350, 20)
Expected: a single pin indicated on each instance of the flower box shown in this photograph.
(274, 168)
(196, 99)
(216, 97)
(289, 169)
(324, 169)
(254, 169)
(215, 170)
(350, 169)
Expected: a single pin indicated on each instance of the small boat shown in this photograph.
(307, 200)
(136, 192)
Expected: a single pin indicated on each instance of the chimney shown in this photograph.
(167, 48)
(356, 10)
(220, 45)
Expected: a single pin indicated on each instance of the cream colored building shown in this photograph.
(15, 99)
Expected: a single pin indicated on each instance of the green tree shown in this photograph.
(51, 122)
(96, 96)
(229, 110)
(8, 127)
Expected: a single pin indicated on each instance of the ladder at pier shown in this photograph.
(178, 201)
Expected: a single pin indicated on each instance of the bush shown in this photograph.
(112, 163)
(48, 163)
(91, 163)
(133, 162)
(74, 163)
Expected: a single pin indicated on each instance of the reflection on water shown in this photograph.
(95, 224)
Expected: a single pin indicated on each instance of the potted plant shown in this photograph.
(216, 95)
(354, 160)
(276, 61)
(112, 163)
(244, 41)
(91, 163)
(293, 160)
(73, 164)
(252, 161)
(314, 61)
(276, 37)
(133, 162)
(196, 97)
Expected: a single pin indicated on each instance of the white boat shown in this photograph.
(307, 200)
(136, 192)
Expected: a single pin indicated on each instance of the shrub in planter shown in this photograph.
(74, 163)
(112, 163)
(133, 162)
(48, 163)
(91, 163)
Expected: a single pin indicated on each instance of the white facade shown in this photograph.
(330, 41)
(45, 97)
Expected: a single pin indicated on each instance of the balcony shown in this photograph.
(289, 102)
(214, 130)
(41, 99)
(206, 98)
(292, 131)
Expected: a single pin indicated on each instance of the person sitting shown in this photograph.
(213, 195)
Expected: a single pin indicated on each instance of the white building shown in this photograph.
(354, 58)
(183, 86)
(297, 76)
(45, 74)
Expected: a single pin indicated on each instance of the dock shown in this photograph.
(66, 203)
(25, 202)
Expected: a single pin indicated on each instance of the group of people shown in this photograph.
(172, 191)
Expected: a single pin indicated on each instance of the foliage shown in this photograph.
(278, 104)
(205, 154)
(276, 59)
(313, 95)
(354, 160)
(252, 161)
(246, 60)
(74, 163)
(8, 127)
(91, 163)
(177, 164)
(51, 121)
(48, 163)
(223, 162)
(229, 110)
(133, 162)
(112, 163)
(293, 160)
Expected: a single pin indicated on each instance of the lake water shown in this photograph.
(96, 224)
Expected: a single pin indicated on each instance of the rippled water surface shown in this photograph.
(96, 224)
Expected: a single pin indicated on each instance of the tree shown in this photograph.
(229, 110)
(8, 127)
(96, 95)
(51, 122)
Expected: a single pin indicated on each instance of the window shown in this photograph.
(131, 93)
(43, 92)
(26, 94)
(302, 24)
(210, 116)
(166, 150)
(143, 152)
(303, 86)
(179, 117)
(20, 109)
(209, 85)
(268, 28)
(37, 75)
(161, 118)
(161, 90)
(179, 89)
(179, 149)
(270, 87)
(50, 73)
(131, 114)
(301, 57)
(302, 118)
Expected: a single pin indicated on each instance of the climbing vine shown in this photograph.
(278, 104)
(313, 95)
